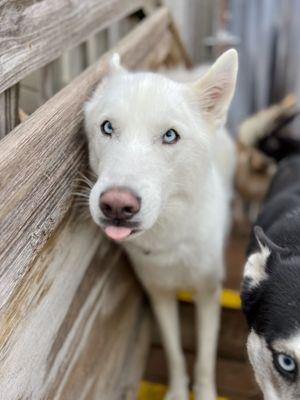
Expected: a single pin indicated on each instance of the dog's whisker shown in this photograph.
(89, 184)
(84, 183)
(82, 190)
(85, 179)
(81, 200)
(81, 204)
(81, 194)
(82, 207)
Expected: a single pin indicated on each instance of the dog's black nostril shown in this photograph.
(107, 210)
(106, 207)
(128, 210)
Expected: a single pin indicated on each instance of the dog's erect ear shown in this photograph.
(264, 241)
(256, 271)
(114, 65)
(256, 266)
(216, 88)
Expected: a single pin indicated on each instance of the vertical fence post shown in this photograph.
(9, 115)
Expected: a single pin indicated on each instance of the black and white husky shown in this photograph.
(164, 165)
(271, 287)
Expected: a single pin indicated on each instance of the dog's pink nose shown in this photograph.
(119, 203)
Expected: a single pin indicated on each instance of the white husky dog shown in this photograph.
(164, 165)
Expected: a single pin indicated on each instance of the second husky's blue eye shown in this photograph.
(107, 128)
(286, 365)
(170, 137)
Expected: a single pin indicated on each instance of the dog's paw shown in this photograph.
(177, 395)
(205, 392)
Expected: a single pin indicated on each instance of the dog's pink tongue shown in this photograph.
(117, 232)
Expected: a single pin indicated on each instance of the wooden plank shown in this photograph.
(47, 89)
(154, 60)
(29, 99)
(96, 46)
(37, 33)
(73, 62)
(40, 158)
(77, 326)
(180, 46)
(9, 117)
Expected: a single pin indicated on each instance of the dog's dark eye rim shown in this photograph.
(171, 136)
(277, 360)
(107, 128)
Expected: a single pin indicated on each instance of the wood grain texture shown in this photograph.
(77, 326)
(9, 116)
(183, 54)
(156, 59)
(40, 159)
(35, 33)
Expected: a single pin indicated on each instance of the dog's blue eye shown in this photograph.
(170, 137)
(107, 128)
(285, 364)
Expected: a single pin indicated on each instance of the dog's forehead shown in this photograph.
(289, 345)
(144, 90)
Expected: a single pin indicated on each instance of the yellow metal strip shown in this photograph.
(156, 391)
(229, 298)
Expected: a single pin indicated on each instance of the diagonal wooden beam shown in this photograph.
(38, 32)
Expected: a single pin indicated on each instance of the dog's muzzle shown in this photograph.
(119, 205)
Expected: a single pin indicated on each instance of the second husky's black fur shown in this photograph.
(272, 307)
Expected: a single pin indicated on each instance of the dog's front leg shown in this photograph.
(166, 310)
(207, 317)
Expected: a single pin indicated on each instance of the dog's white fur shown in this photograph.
(255, 268)
(185, 190)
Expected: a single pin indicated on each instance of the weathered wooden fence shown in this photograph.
(73, 321)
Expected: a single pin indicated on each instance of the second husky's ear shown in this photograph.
(264, 241)
(255, 267)
(216, 88)
(114, 65)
